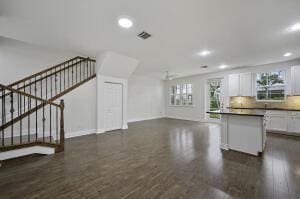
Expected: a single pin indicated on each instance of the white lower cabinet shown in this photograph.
(294, 123)
(283, 121)
(277, 121)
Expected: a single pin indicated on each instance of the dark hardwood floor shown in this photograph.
(162, 158)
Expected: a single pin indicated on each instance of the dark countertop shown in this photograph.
(244, 112)
(274, 109)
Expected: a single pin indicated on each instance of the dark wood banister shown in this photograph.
(51, 68)
(44, 71)
(44, 77)
(83, 59)
(28, 95)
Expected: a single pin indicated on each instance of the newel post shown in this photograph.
(62, 126)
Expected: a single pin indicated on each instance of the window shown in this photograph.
(181, 95)
(270, 86)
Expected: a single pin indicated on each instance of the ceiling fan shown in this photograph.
(169, 77)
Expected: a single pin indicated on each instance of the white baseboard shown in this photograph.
(26, 151)
(224, 146)
(80, 133)
(184, 118)
(194, 119)
(125, 126)
(99, 131)
(145, 118)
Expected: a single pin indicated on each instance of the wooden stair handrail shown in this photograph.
(44, 77)
(28, 95)
(53, 67)
(43, 71)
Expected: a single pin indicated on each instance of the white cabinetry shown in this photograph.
(294, 122)
(240, 84)
(243, 133)
(283, 121)
(277, 120)
(234, 85)
(246, 84)
(295, 77)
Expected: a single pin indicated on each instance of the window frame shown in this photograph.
(181, 95)
(283, 85)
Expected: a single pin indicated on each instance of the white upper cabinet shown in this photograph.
(234, 85)
(240, 84)
(295, 81)
(246, 84)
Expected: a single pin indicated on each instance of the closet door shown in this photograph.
(113, 106)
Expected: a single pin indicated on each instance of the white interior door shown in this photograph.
(113, 105)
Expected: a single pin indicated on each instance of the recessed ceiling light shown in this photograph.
(223, 66)
(295, 27)
(125, 22)
(287, 54)
(204, 53)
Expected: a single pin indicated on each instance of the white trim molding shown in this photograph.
(26, 151)
(99, 131)
(224, 146)
(80, 133)
(145, 118)
(125, 126)
(184, 118)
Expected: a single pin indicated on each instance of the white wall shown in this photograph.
(80, 110)
(116, 65)
(145, 98)
(19, 59)
(197, 112)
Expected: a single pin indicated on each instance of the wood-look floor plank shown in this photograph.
(162, 158)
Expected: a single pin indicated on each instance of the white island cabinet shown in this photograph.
(243, 130)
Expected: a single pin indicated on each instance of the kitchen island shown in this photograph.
(242, 130)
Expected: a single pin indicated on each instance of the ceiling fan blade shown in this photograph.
(169, 77)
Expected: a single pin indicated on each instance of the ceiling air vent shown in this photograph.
(144, 35)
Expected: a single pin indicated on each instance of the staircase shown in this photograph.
(31, 113)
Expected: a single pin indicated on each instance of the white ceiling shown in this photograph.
(239, 33)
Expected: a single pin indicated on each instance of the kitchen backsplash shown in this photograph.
(292, 102)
